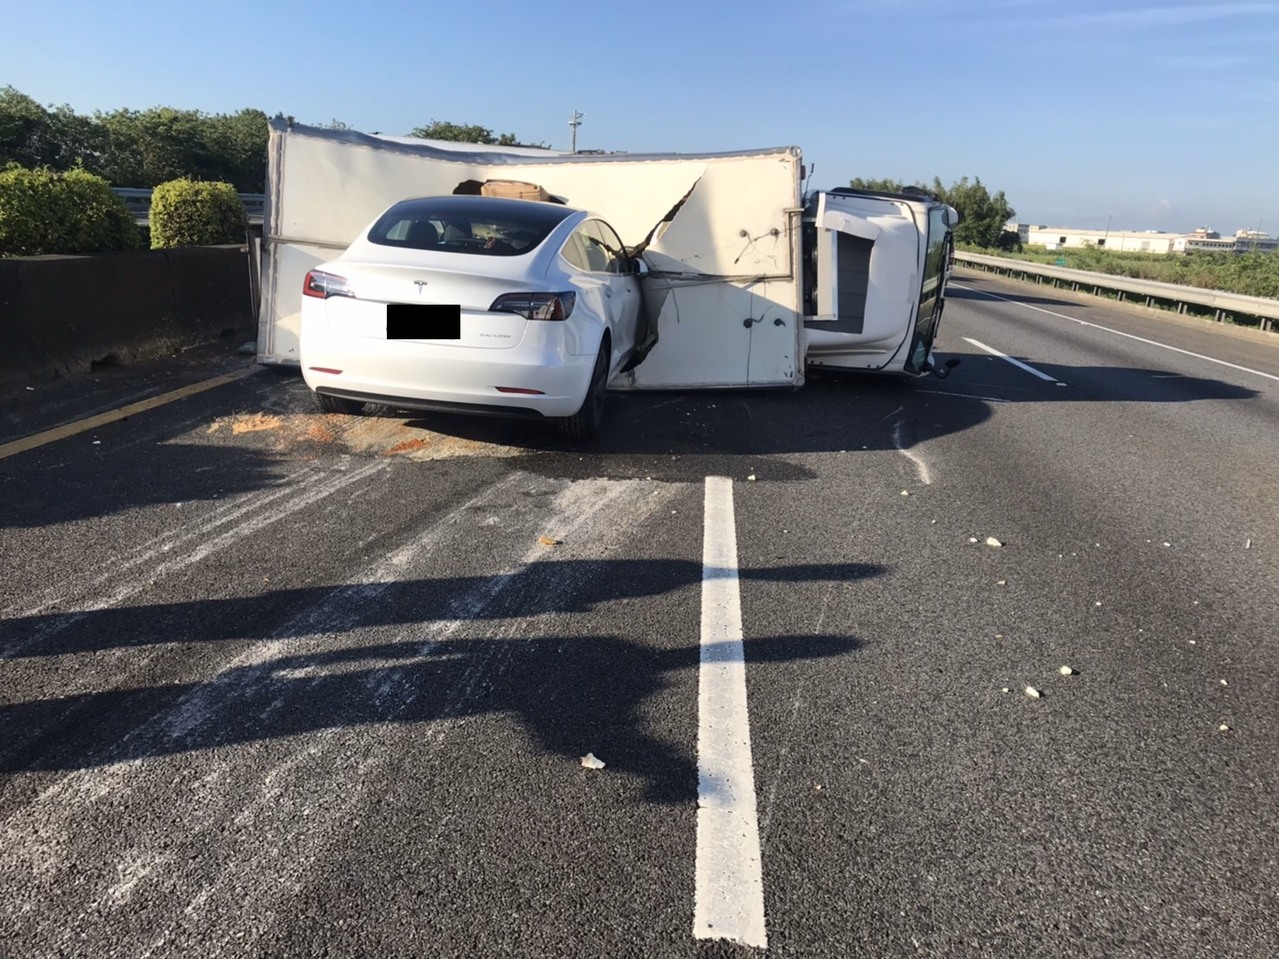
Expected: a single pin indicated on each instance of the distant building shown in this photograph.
(1066, 238)
(1146, 241)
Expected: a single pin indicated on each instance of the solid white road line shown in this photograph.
(1131, 336)
(1017, 363)
(729, 886)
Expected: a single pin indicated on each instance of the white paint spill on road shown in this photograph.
(921, 467)
(966, 396)
(333, 483)
(583, 512)
(239, 801)
(728, 885)
(1017, 363)
(90, 581)
(1130, 336)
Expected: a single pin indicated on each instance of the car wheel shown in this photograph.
(336, 404)
(585, 423)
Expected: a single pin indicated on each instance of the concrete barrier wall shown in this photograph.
(60, 314)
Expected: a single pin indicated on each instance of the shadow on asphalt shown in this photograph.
(667, 437)
(97, 483)
(563, 586)
(570, 693)
(955, 293)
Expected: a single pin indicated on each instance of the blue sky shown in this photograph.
(1152, 114)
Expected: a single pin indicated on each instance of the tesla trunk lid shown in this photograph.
(364, 313)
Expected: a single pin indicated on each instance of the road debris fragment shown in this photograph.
(1067, 671)
(1033, 693)
(905, 492)
(590, 762)
(1247, 544)
(751, 478)
(1001, 582)
(1224, 683)
(991, 541)
(1223, 728)
(972, 539)
(1004, 690)
(549, 540)
(999, 635)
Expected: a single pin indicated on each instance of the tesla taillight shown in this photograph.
(323, 285)
(536, 306)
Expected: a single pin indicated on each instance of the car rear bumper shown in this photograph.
(460, 379)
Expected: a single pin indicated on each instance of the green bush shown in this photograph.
(42, 211)
(196, 213)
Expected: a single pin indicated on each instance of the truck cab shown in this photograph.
(875, 270)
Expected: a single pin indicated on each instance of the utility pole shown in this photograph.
(574, 122)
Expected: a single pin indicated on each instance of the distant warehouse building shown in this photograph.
(1244, 241)
(1148, 241)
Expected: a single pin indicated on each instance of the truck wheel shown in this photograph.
(585, 423)
(336, 404)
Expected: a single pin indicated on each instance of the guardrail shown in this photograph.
(138, 200)
(1264, 311)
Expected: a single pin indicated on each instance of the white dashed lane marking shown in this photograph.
(1017, 363)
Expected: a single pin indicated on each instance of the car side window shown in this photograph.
(609, 245)
(575, 250)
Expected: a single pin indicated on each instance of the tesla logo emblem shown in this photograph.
(421, 285)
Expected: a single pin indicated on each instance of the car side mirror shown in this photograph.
(639, 267)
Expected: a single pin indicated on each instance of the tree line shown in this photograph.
(981, 215)
(136, 148)
(144, 148)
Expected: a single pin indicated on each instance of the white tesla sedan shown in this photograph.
(474, 304)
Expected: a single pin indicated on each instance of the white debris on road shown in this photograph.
(590, 762)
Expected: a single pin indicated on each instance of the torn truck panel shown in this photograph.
(660, 226)
(726, 220)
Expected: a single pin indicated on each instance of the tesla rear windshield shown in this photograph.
(486, 226)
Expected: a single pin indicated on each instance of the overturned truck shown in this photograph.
(749, 280)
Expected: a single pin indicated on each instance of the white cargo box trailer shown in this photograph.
(748, 279)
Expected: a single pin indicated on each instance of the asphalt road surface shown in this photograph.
(281, 683)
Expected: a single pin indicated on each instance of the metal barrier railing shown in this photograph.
(138, 200)
(1264, 310)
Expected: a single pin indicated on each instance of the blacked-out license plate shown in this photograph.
(423, 321)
